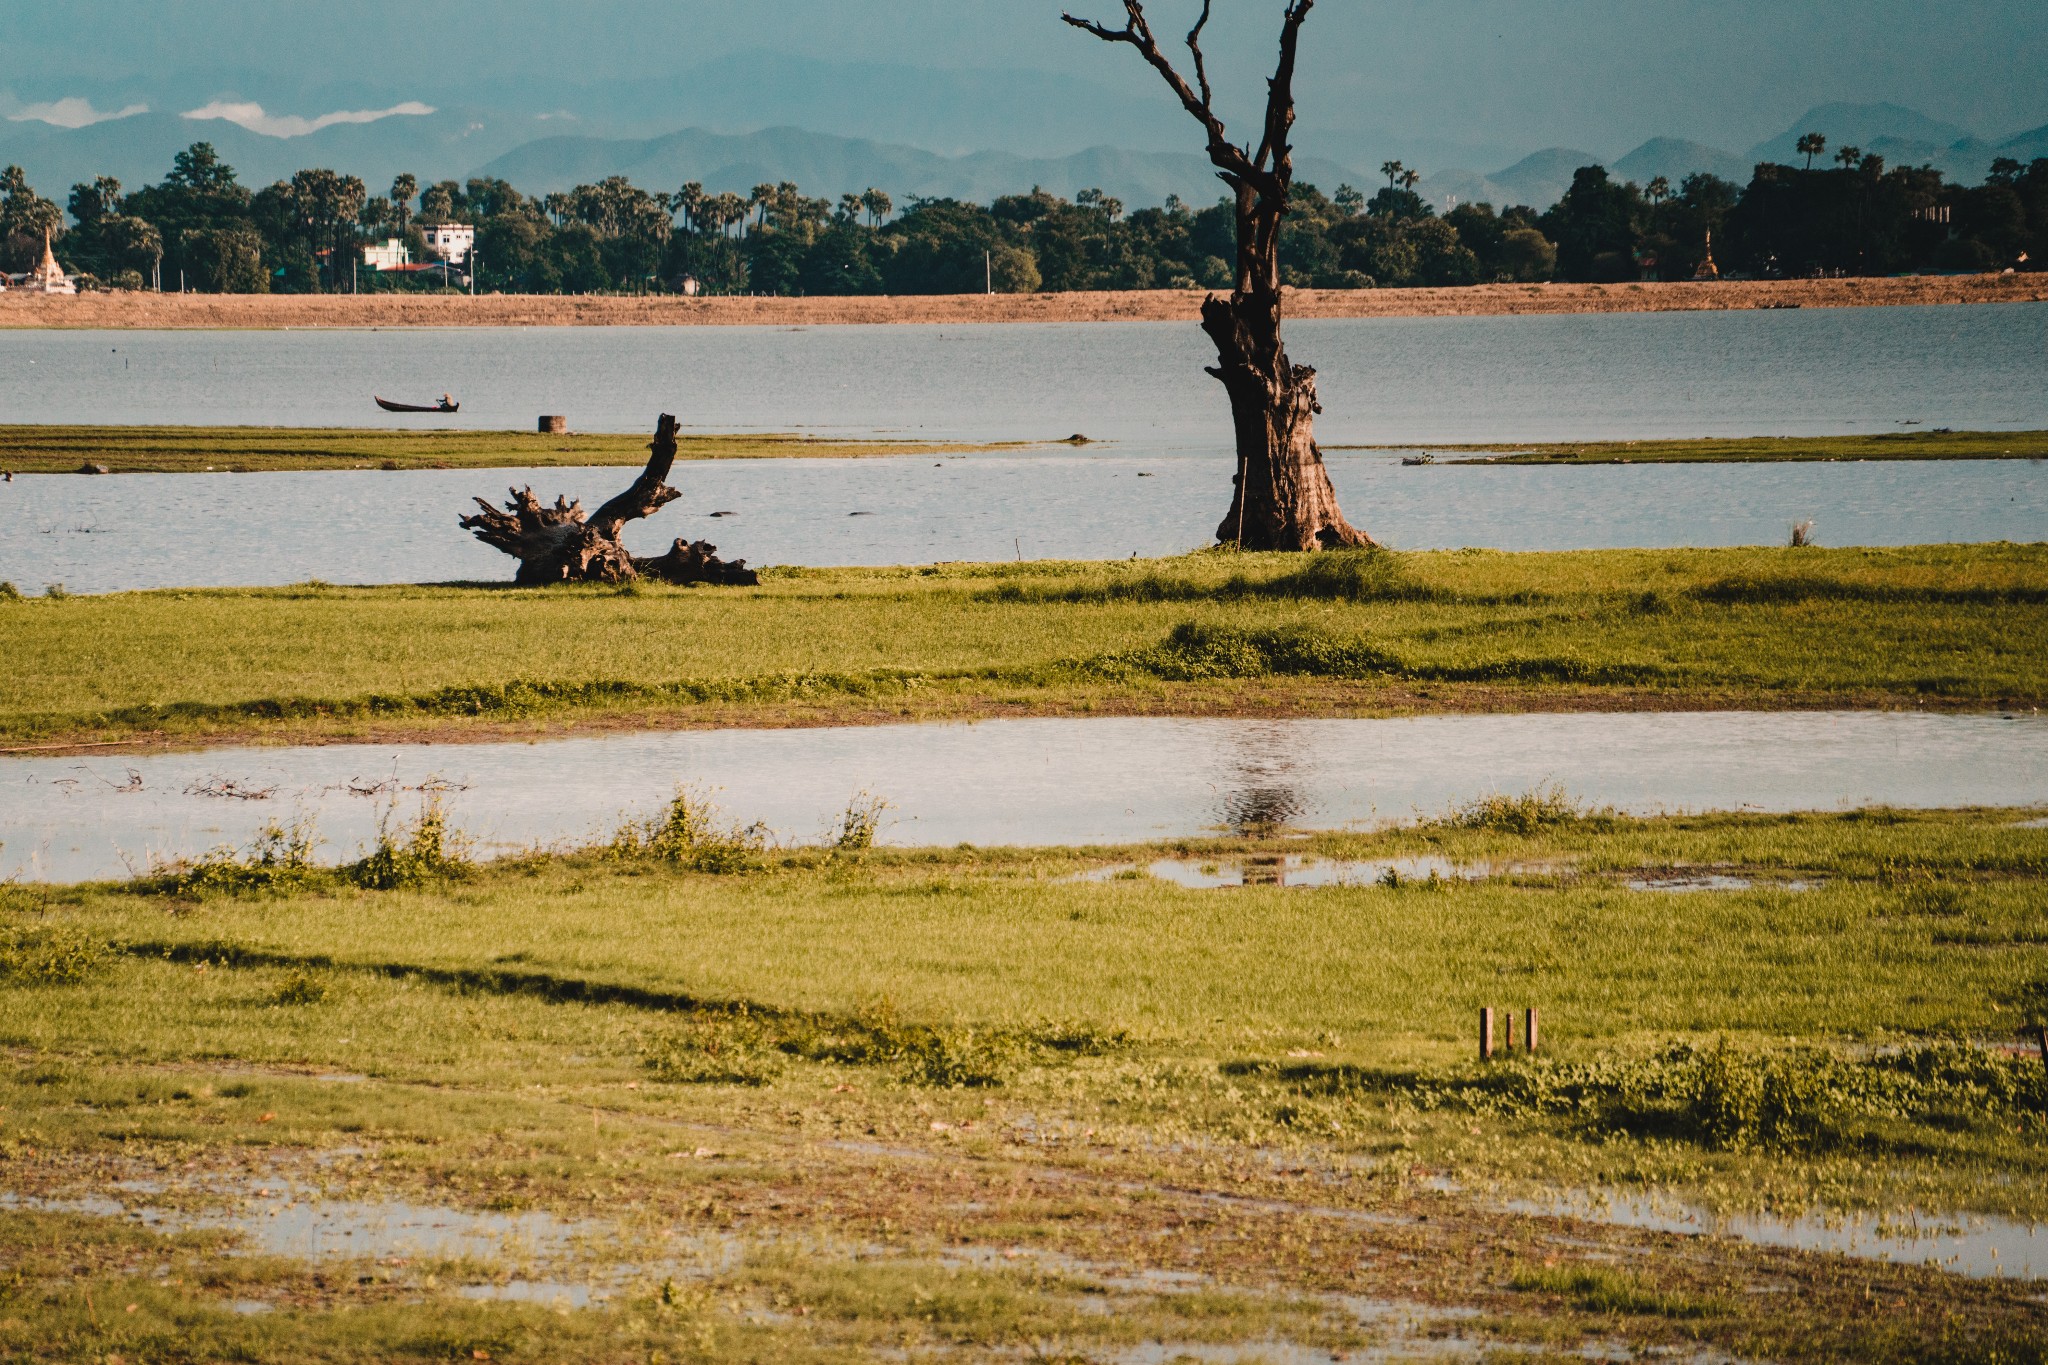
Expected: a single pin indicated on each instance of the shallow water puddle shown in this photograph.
(280, 1218)
(1981, 1246)
(1295, 871)
(1053, 781)
(1290, 870)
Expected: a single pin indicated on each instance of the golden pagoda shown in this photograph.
(1708, 270)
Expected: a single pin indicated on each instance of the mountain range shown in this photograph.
(545, 152)
(1903, 137)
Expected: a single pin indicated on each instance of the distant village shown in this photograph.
(1842, 212)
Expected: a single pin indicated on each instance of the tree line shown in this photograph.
(201, 229)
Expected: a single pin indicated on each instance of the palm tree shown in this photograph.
(1410, 179)
(879, 204)
(1850, 157)
(1658, 190)
(402, 191)
(1392, 171)
(1811, 146)
(688, 201)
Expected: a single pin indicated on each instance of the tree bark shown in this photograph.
(1283, 498)
(557, 545)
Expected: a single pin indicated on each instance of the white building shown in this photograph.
(452, 242)
(393, 255)
(49, 278)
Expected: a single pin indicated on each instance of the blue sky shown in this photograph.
(1598, 74)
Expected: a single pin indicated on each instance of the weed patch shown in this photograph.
(1596, 1289)
(280, 860)
(1721, 1098)
(690, 832)
(48, 955)
(1366, 575)
(1193, 652)
(1538, 809)
(429, 852)
(299, 988)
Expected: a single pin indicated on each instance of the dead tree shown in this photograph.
(1283, 500)
(557, 545)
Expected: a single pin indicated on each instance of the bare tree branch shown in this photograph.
(1230, 160)
(1280, 97)
(650, 492)
(1201, 67)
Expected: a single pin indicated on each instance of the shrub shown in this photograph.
(431, 853)
(714, 1050)
(690, 833)
(8, 592)
(1194, 652)
(280, 859)
(48, 955)
(858, 825)
(1599, 1290)
(299, 988)
(1537, 809)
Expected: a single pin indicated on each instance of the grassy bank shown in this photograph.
(187, 450)
(813, 1105)
(1950, 626)
(1893, 445)
(162, 311)
(190, 450)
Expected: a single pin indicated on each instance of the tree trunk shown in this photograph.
(557, 545)
(1283, 499)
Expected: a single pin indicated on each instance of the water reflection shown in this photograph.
(1268, 770)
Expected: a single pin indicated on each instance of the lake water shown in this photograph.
(1013, 782)
(1159, 488)
(223, 530)
(1391, 380)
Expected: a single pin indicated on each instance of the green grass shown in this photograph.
(1952, 626)
(1891, 445)
(189, 450)
(939, 1099)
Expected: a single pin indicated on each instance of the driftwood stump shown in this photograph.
(559, 545)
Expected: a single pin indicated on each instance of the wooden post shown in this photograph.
(1486, 1034)
(1529, 1028)
(1507, 1032)
(2041, 1041)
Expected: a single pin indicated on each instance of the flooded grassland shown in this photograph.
(687, 1095)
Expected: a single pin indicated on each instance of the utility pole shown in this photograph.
(988, 264)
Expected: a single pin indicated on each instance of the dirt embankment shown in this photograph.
(1158, 305)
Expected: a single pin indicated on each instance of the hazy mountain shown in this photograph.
(2027, 146)
(831, 166)
(137, 150)
(1674, 158)
(1859, 125)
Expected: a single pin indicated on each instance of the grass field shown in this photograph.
(1955, 626)
(1892, 445)
(190, 450)
(186, 450)
(956, 1104)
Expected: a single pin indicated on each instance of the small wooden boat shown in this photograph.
(446, 404)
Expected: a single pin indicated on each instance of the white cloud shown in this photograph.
(252, 117)
(71, 112)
